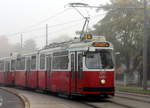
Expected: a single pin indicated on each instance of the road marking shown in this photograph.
(1, 100)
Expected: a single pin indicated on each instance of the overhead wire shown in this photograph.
(51, 17)
(40, 22)
(55, 25)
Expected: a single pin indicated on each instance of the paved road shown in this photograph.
(8, 100)
(40, 100)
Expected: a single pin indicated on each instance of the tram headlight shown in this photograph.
(102, 81)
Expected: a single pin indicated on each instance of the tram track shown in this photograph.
(109, 103)
(102, 103)
(120, 104)
(133, 96)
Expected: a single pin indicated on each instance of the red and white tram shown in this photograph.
(78, 67)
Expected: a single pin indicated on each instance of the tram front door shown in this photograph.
(76, 70)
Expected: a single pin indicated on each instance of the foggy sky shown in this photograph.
(18, 15)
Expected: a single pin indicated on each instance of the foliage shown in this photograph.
(123, 26)
(7, 48)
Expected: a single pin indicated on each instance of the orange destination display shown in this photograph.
(100, 44)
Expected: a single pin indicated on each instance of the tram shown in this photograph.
(83, 67)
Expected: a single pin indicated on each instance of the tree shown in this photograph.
(123, 26)
(29, 45)
(5, 47)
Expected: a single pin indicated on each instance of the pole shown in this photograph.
(21, 39)
(145, 38)
(46, 34)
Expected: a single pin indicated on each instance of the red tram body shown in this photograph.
(72, 68)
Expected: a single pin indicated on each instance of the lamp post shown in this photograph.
(145, 47)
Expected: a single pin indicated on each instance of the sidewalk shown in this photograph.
(37, 100)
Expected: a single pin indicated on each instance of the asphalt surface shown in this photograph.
(9, 100)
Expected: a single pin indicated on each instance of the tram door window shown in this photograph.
(73, 65)
(80, 65)
(73, 72)
(33, 62)
(13, 65)
(48, 68)
(76, 70)
(48, 64)
(28, 67)
(7, 68)
(42, 61)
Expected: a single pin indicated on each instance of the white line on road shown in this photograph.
(1, 100)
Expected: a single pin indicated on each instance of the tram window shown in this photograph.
(80, 62)
(28, 63)
(48, 63)
(1, 65)
(20, 63)
(60, 62)
(42, 61)
(72, 62)
(33, 62)
(99, 60)
(7, 66)
(13, 65)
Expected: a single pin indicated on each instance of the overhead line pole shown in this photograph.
(145, 47)
(46, 34)
(21, 41)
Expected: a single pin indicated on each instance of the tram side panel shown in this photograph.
(32, 73)
(20, 78)
(59, 76)
(98, 82)
(42, 79)
(1, 77)
(20, 74)
(11, 73)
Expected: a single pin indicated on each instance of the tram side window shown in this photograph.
(1, 65)
(7, 66)
(13, 65)
(42, 61)
(33, 62)
(72, 62)
(60, 62)
(28, 63)
(20, 63)
(80, 62)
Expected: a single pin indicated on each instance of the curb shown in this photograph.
(22, 97)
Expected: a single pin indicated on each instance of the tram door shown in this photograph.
(7, 71)
(48, 69)
(28, 65)
(76, 68)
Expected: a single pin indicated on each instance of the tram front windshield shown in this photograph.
(101, 59)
